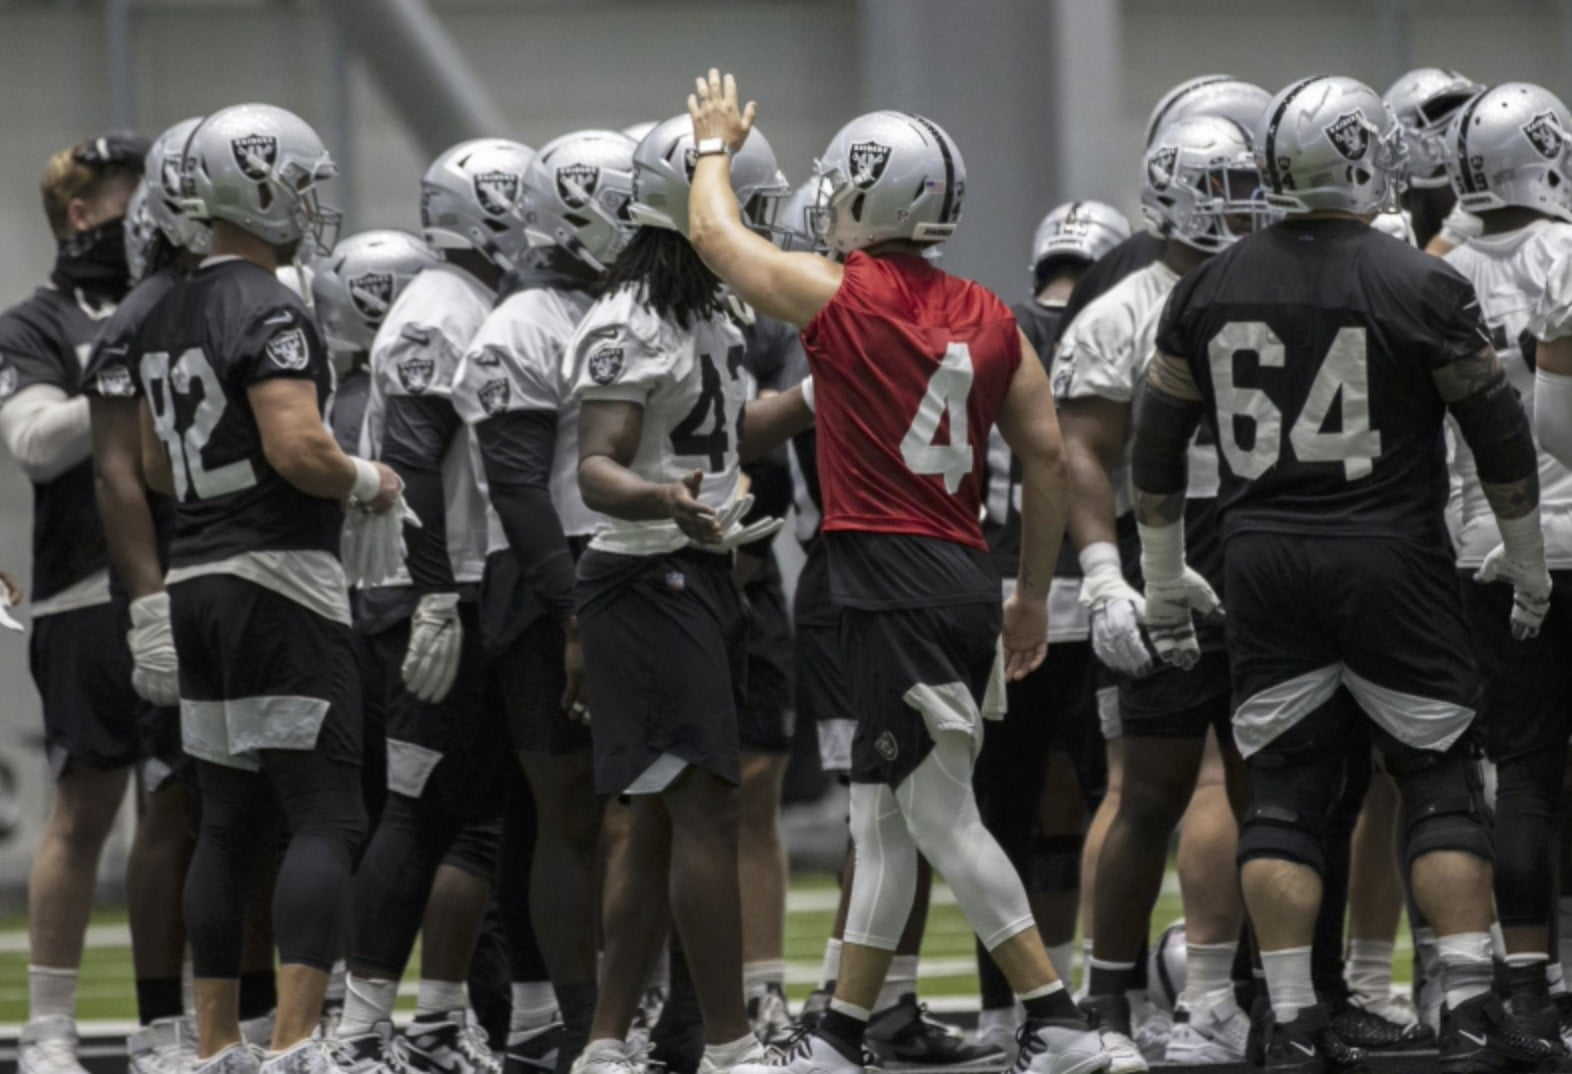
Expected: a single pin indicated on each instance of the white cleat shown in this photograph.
(1124, 1055)
(752, 1057)
(1055, 1046)
(163, 1046)
(235, 1059)
(997, 1030)
(364, 1053)
(605, 1056)
(48, 1046)
(447, 1044)
(805, 1053)
(1216, 1033)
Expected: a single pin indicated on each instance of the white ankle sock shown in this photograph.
(534, 1005)
(335, 986)
(1062, 957)
(1208, 968)
(758, 976)
(1368, 968)
(367, 1001)
(900, 981)
(832, 962)
(1467, 969)
(1288, 981)
(51, 993)
(439, 997)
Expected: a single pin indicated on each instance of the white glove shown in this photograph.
(155, 672)
(1116, 610)
(1173, 591)
(1520, 560)
(436, 641)
(372, 546)
(734, 533)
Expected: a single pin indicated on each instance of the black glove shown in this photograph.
(125, 148)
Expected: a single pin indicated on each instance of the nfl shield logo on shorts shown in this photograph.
(1350, 135)
(868, 160)
(372, 294)
(1545, 134)
(415, 374)
(256, 154)
(886, 746)
(576, 184)
(288, 349)
(497, 191)
(605, 365)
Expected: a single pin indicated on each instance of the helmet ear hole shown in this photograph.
(264, 197)
(856, 207)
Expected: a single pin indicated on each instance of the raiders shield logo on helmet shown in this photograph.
(1350, 135)
(7, 381)
(415, 374)
(576, 184)
(497, 192)
(1160, 169)
(288, 349)
(115, 383)
(169, 176)
(1545, 134)
(256, 154)
(494, 396)
(867, 163)
(372, 294)
(605, 365)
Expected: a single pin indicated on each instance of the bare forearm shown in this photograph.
(1093, 507)
(613, 489)
(1045, 492)
(771, 420)
(314, 464)
(129, 532)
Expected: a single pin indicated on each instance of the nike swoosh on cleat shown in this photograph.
(1476, 1039)
(1302, 1048)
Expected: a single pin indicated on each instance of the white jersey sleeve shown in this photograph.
(1101, 352)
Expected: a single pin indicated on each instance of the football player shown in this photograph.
(1198, 190)
(1425, 100)
(901, 348)
(657, 366)
(1053, 724)
(1324, 357)
(445, 729)
(510, 391)
(233, 379)
(1505, 153)
(77, 652)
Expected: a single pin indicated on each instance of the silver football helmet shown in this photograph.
(1199, 181)
(1210, 95)
(258, 167)
(663, 167)
(140, 231)
(1082, 230)
(797, 218)
(356, 285)
(889, 175)
(1509, 146)
(639, 130)
(1165, 967)
(1424, 102)
(576, 195)
(164, 199)
(1328, 142)
(471, 199)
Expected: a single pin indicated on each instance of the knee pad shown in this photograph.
(1053, 864)
(1282, 833)
(476, 848)
(1443, 802)
(1293, 793)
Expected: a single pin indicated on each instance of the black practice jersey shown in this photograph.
(1313, 343)
(1131, 255)
(45, 340)
(227, 326)
(348, 413)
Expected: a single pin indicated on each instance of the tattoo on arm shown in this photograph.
(1467, 376)
(1159, 509)
(1172, 376)
(1514, 499)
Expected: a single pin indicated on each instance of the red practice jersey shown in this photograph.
(910, 369)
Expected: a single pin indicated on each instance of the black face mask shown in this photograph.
(94, 261)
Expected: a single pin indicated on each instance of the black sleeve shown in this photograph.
(414, 441)
(770, 482)
(517, 448)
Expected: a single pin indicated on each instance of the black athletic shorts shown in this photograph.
(665, 651)
(1054, 709)
(1381, 617)
(916, 671)
(822, 694)
(82, 667)
(454, 748)
(1527, 702)
(768, 718)
(259, 671)
(530, 674)
(1169, 702)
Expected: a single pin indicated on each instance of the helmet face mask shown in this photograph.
(1425, 100)
(1511, 147)
(1201, 185)
(140, 231)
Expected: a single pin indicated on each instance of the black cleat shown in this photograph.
(1370, 1031)
(904, 1036)
(1309, 1045)
(1479, 1037)
(533, 1051)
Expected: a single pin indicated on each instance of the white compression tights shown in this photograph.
(935, 812)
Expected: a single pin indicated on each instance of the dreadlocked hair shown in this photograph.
(670, 277)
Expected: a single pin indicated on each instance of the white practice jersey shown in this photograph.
(417, 353)
(1519, 293)
(515, 363)
(1104, 354)
(693, 386)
